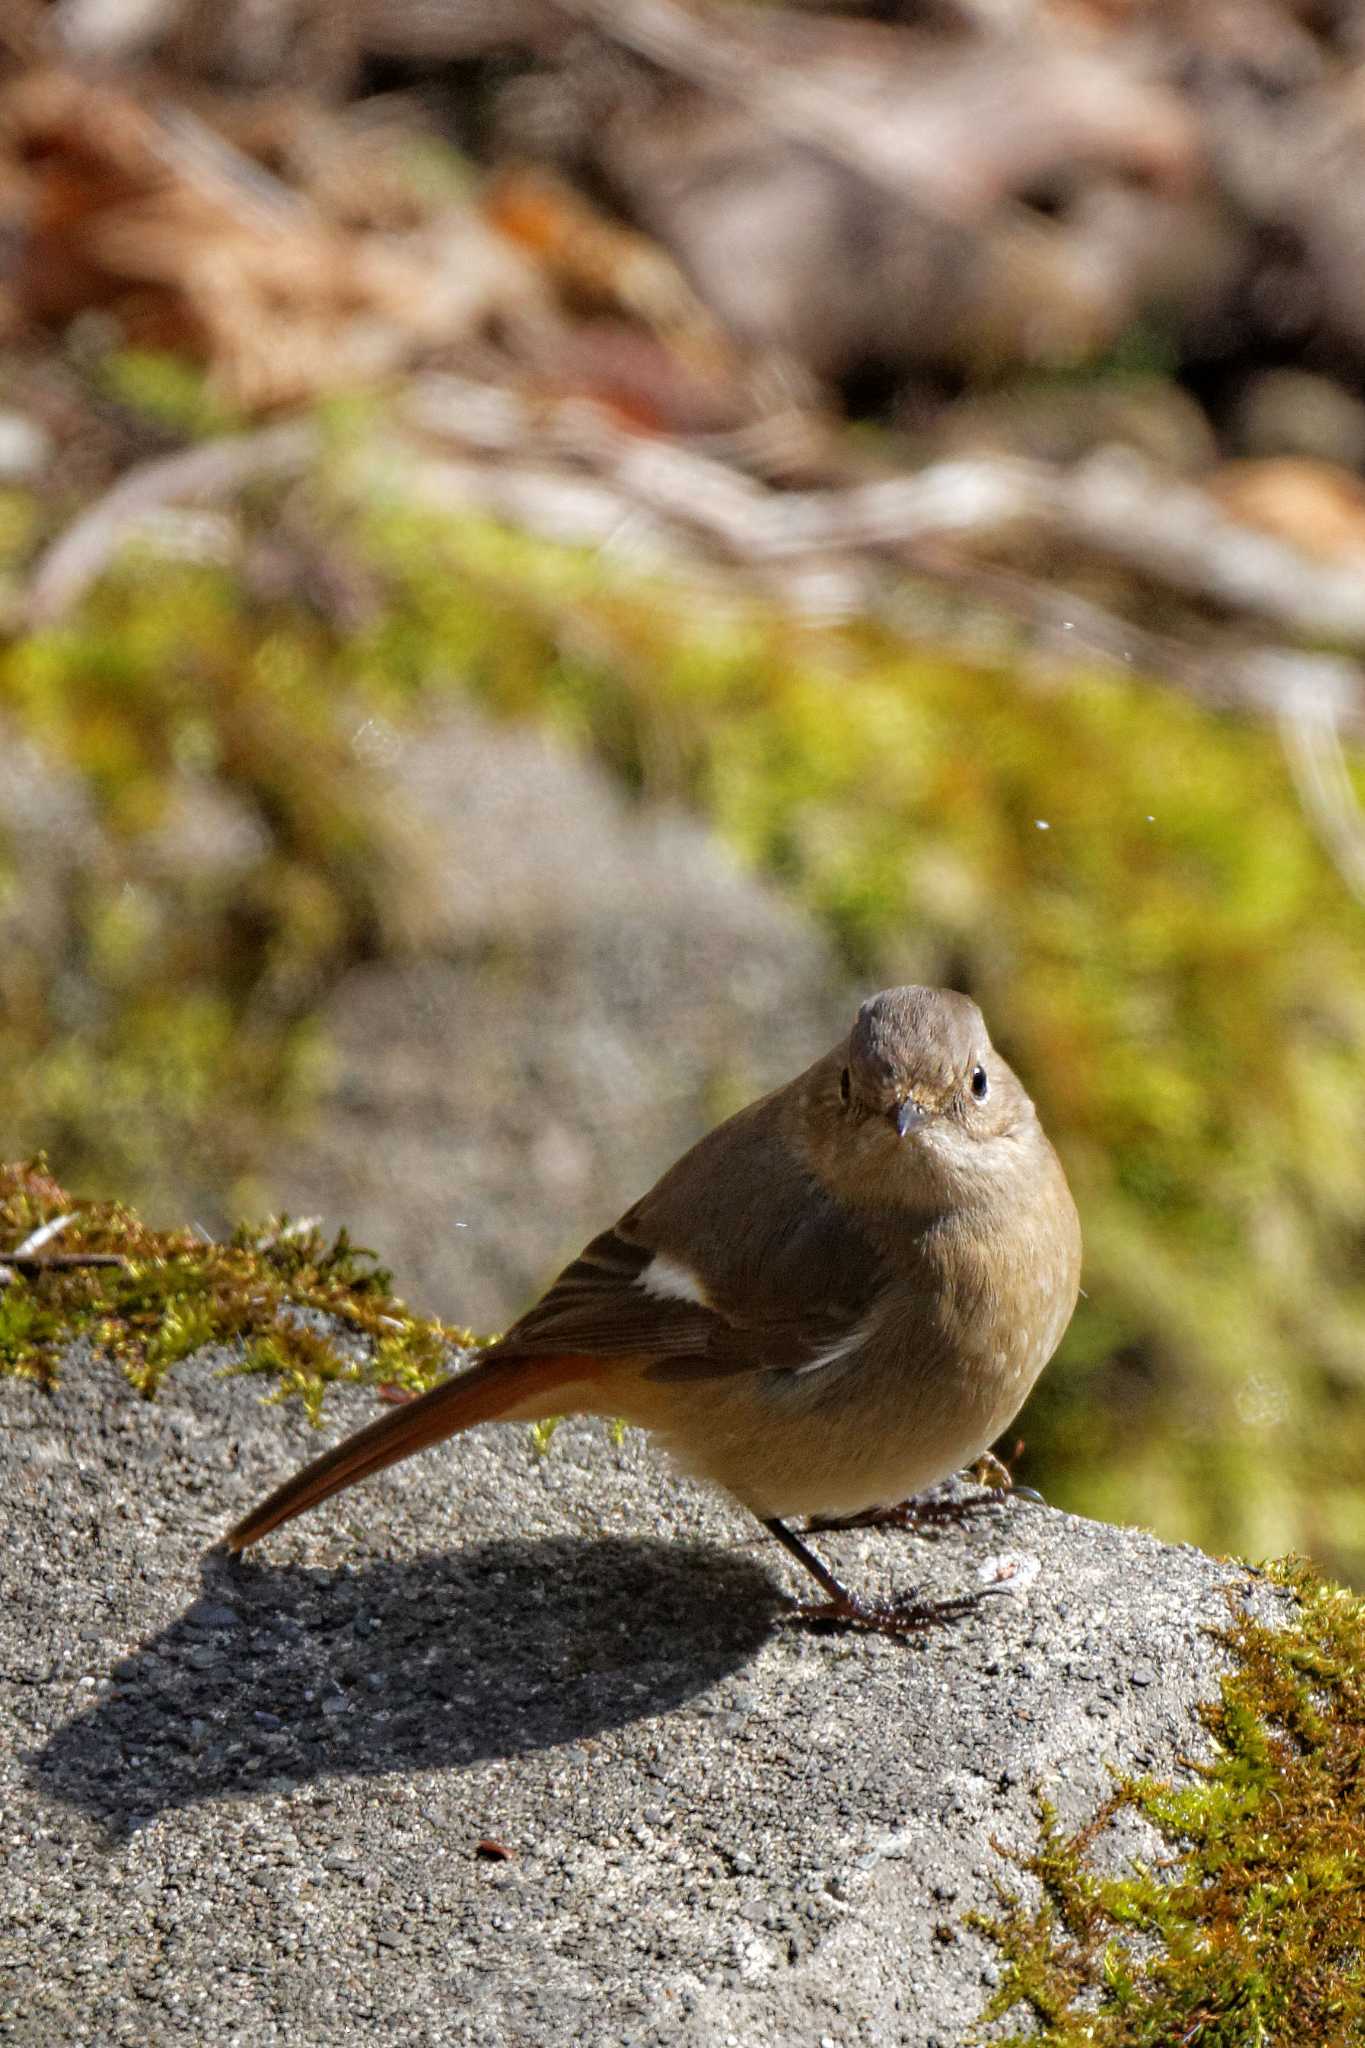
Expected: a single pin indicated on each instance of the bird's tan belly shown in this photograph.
(784, 1448)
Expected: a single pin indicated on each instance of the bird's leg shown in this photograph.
(804, 1555)
(843, 1609)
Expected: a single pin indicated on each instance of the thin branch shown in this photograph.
(11, 1264)
(829, 551)
(894, 154)
(1312, 745)
(204, 474)
(63, 1261)
(431, 29)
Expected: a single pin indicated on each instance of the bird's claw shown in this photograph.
(926, 1512)
(904, 1617)
(909, 1514)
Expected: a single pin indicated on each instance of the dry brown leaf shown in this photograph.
(1317, 506)
(148, 212)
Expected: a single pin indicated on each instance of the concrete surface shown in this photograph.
(244, 1803)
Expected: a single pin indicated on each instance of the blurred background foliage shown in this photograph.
(205, 830)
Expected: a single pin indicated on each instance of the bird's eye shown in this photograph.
(981, 1087)
(844, 1086)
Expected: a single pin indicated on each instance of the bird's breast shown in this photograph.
(968, 1309)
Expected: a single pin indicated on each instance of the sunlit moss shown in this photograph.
(1251, 1927)
(281, 1295)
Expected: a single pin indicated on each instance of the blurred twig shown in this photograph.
(1312, 744)
(568, 471)
(31, 1258)
(657, 498)
(1113, 505)
(209, 472)
(957, 142)
(445, 29)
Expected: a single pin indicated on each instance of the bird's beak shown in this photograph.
(908, 1116)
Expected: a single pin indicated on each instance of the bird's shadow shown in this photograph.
(277, 1676)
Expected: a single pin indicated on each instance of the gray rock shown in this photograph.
(593, 986)
(719, 1825)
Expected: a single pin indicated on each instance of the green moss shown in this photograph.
(236, 853)
(281, 1294)
(166, 390)
(1252, 1929)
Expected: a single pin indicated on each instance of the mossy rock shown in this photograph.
(1247, 1927)
(1250, 1926)
(285, 1297)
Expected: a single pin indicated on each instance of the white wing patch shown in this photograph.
(667, 1280)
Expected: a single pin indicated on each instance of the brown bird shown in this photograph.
(838, 1297)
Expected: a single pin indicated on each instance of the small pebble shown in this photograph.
(212, 1614)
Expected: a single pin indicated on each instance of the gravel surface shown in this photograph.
(504, 1749)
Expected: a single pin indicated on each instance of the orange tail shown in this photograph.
(495, 1389)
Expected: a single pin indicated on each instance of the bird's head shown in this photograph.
(918, 1098)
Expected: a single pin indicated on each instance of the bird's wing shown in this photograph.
(604, 1305)
(790, 1297)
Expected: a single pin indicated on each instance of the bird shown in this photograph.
(835, 1299)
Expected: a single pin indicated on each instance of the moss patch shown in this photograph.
(1252, 1931)
(281, 1293)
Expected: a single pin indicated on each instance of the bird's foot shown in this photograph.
(925, 1511)
(992, 1472)
(919, 1513)
(904, 1617)
(997, 1477)
(842, 1609)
